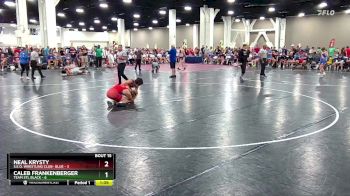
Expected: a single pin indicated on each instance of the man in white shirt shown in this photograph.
(263, 60)
(34, 60)
(122, 57)
(312, 50)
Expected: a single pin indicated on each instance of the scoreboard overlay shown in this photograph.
(61, 169)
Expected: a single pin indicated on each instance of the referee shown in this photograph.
(243, 59)
(263, 61)
(34, 60)
(122, 57)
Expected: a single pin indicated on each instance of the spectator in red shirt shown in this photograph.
(347, 51)
(17, 50)
(190, 52)
(256, 49)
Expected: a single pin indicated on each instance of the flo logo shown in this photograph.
(326, 12)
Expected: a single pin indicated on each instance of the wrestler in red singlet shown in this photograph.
(116, 92)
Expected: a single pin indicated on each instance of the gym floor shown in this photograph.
(203, 133)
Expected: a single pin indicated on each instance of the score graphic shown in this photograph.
(61, 169)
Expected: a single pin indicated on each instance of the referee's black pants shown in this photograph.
(121, 68)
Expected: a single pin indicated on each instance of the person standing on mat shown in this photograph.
(243, 59)
(24, 62)
(323, 61)
(181, 59)
(122, 57)
(99, 53)
(34, 60)
(138, 59)
(263, 60)
(172, 57)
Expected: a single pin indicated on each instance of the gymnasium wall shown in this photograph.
(8, 38)
(218, 33)
(318, 30)
(144, 37)
(310, 30)
(182, 33)
(262, 24)
(89, 39)
(237, 37)
(261, 41)
(68, 38)
(160, 36)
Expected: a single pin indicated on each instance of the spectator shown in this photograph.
(24, 62)
(172, 56)
(99, 53)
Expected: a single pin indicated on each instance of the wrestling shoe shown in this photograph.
(110, 104)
